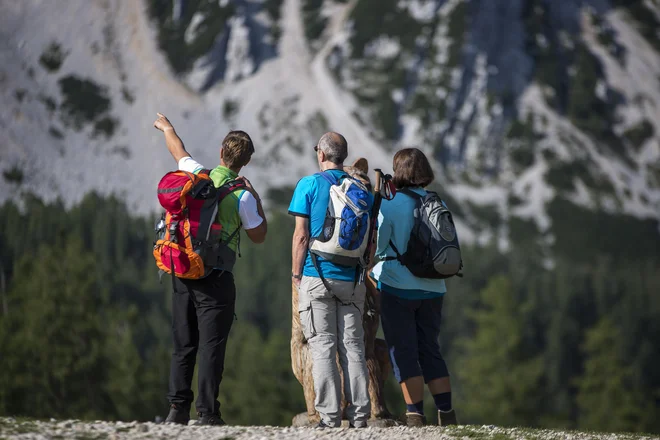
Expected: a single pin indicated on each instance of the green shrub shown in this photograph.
(48, 102)
(20, 94)
(52, 57)
(646, 21)
(13, 175)
(313, 19)
(171, 33)
(127, 95)
(640, 133)
(274, 9)
(487, 214)
(105, 126)
(373, 18)
(54, 132)
(584, 234)
(229, 108)
(522, 152)
(84, 101)
(457, 24)
(562, 175)
(523, 156)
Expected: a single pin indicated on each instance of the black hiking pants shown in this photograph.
(202, 315)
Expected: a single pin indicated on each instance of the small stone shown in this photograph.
(143, 428)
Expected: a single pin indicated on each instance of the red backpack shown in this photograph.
(188, 234)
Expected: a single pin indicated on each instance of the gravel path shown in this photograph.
(76, 430)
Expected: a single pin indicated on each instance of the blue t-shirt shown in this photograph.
(310, 199)
(395, 222)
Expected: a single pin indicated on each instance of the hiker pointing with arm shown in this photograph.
(203, 308)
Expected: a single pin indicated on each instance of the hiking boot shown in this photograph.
(179, 414)
(322, 425)
(447, 418)
(209, 419)
(360, 425)
(415, 420)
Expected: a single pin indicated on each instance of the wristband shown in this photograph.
(298, 277)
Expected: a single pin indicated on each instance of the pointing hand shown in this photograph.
(162, 123)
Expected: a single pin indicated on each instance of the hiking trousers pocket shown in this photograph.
(307, 323)
(305, 310)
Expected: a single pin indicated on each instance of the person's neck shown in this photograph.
(236, 170)
(326, 166)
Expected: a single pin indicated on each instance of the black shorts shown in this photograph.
(412, 330)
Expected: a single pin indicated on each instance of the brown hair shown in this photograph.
(237, 149)
(411, 168)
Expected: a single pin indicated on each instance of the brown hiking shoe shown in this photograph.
(447, 418)
(415, 420)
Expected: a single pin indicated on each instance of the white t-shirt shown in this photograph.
(247, 204)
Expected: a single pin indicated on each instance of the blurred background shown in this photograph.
(541, 118)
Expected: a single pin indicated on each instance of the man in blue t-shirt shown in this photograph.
(331, 318)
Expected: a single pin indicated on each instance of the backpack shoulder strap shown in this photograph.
(228, 188)
(332, 180)
(411, 193)
(210, 208)
(396, 251)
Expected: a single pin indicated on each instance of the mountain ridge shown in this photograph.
(286, 71)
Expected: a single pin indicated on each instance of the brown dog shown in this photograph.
(377, 356)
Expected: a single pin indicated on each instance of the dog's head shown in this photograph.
(360, 171)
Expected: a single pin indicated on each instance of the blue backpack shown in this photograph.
(345, 234)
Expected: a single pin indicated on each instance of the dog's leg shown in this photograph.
(377, 371)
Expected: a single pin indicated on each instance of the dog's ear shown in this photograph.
(361, 165)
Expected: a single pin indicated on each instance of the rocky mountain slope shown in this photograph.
(529, 108)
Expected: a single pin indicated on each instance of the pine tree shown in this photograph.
(258, 387)
(53, 338)
(500, 377)
(608, 397)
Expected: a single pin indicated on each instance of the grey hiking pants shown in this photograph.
(332, 323)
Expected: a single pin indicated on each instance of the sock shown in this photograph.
(443, 401)
(416, 408)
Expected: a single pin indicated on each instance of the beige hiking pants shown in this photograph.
(332, 323)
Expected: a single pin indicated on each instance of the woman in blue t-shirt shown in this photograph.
(411, 306)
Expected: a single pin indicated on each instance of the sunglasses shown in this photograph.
(316, 148)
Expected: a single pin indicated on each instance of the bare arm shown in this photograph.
(258, 234)
(172, 140)
(299, 247)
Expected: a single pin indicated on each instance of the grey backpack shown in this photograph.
(433, 249)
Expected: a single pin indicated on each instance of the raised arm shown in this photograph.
(172, 140)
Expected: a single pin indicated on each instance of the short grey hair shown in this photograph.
(335, 147)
